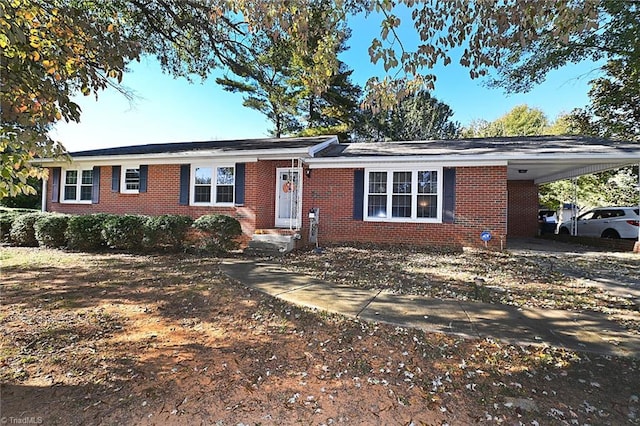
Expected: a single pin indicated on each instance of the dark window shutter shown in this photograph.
(449, 196)
(358, 194)
(95, 190)
(185, 177)
(239, 189)
(144, 173)
(115, 179)
(55, 184)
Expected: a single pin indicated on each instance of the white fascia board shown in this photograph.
(312, 151)
(147, 160)
(184, 157)
(580, 171)
(413, 161)
(564, 157)
(467, 160)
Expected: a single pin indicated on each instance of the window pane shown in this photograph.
(377, 206)
(70, 192)
(225, 176)
(401, 206)
(224, 194)
(71, 177)
(202, 194)
(85, 192)
(203, 176)
(132, 179)
(427, 205)
(402, 182)
(428, 182)
(377, 182)
(87, 177)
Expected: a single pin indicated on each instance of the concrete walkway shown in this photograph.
(590, 332)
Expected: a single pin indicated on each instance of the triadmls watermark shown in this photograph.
(26, 420)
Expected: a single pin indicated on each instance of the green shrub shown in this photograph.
(22, 229)
(124, 232)
(84, 232)
(50, 230)
(220, 232)
(166, 231)
(6, 220)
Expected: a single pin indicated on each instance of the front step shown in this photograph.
(270, 244)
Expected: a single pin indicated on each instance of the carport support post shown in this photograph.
(636, 247)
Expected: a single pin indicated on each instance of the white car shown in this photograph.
(605, 222)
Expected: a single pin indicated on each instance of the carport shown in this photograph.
(535, 161)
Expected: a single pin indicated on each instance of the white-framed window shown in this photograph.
(130, 180)
(213, 184)
(77, 186)
(403, 195)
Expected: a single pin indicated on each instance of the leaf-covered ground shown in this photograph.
(119, 339)
(577, 280)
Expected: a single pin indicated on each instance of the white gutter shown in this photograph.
(184, 157)
(339, 162)
(357, 162)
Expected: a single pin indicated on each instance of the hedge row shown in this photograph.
(132, 233)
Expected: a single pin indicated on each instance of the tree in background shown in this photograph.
(54, 49)
(416, 117)
(334, 110)
(281, 82)
(329, 108)
(265, 77)
(609, 188)
(50, 51)
(522, 120)
(521, 40)
(26, 201)
(615, 188)
(614, 111)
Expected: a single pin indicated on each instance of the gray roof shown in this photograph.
(225, 145)
(525, 145)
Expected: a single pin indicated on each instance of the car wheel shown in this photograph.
(611, 233)
(564, 231)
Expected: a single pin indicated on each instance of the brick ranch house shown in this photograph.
(444, 193)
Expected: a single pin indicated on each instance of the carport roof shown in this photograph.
(538, 158)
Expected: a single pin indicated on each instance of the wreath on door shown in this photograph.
(288, 187)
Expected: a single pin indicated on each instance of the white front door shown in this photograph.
(288, 194)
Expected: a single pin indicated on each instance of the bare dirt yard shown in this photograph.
(168, 339)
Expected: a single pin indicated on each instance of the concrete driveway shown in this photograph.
(615, 272)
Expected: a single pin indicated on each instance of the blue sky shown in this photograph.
(174, 110)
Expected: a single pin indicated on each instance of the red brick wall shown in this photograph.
(481, 205)
(523, 208)
(163, 194)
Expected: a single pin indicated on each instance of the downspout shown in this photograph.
(43, 202)
(574, 208)
(637, 245)
(292, 192)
